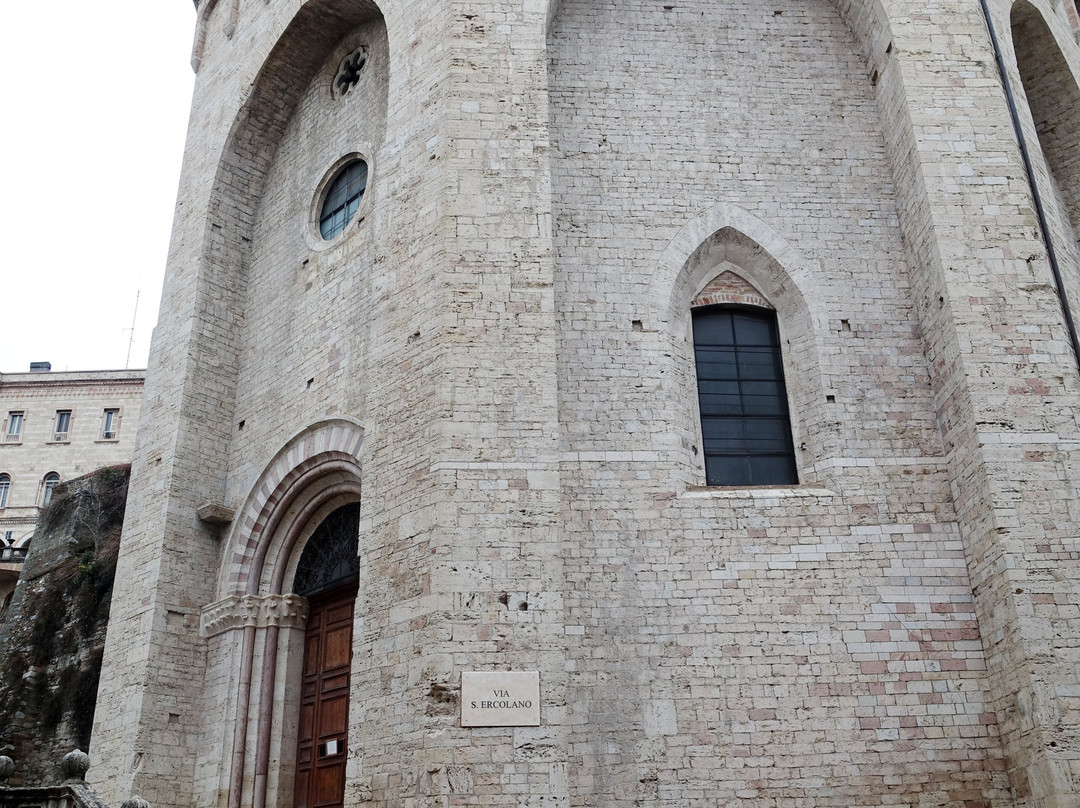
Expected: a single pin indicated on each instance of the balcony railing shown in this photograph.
(12, 437)
(60, 437)
(13, 555)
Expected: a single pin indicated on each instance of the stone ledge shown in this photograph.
(215, 514)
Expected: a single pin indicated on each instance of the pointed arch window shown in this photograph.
(745, 423)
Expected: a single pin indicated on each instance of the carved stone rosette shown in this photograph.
(286, 611)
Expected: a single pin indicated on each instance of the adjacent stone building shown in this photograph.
(714, 361)
(56, 426)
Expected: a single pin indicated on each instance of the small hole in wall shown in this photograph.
(637, 325)
(873, 78)
(830, 399)
(888, 48)
(777, 13)
(240, 426)
(310, 382)
(523, 606)
(845, 325)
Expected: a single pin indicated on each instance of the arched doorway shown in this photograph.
(327, 575)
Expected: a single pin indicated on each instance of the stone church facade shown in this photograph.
(443, 273)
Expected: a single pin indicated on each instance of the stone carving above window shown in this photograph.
(727, 287)
(348, 74)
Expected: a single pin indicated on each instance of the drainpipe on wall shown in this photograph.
(1040, 210)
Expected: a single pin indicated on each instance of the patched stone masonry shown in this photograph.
(505, 332)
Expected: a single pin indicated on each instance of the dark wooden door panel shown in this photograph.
(324, 708)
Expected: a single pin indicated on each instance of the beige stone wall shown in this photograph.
(86, 394)
(498, 358)
(807, 644)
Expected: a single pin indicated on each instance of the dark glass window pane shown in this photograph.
(713, 332)
(772, 470)
(752, 330)
(726, 470)
(343, 199)
(745, 426)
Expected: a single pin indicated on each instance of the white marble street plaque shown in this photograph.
(500, 698)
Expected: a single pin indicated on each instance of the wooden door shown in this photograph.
(324, 702)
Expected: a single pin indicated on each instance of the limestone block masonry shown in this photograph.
(495, 359)
(63, 431)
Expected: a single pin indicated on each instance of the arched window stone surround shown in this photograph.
(729, 239)
(314, 473)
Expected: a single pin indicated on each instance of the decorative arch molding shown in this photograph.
(730, 235)
(314, 471)
(725, 255)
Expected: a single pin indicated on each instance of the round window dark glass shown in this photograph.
(342, 199)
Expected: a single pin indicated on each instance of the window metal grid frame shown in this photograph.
(742, 397)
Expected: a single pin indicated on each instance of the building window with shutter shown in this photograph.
(110, 426)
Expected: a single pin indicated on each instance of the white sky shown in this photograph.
(95, 98)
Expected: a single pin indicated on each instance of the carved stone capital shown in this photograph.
(260, 611)
(287, 611)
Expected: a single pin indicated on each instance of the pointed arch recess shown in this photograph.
(728, 234)
(728, 251)
(1053, 95)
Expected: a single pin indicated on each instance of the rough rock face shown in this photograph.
(51, 643)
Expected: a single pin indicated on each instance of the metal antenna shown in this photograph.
(131, 339)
